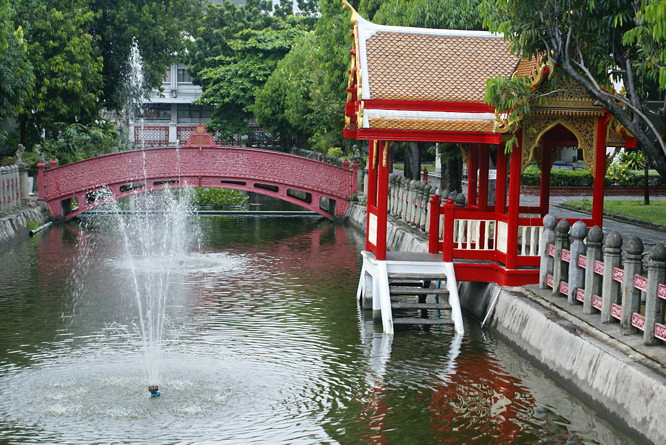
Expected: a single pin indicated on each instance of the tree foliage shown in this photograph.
(66, 65)
(444, 14)
(590, 42)
(160, 27)
(16, 77)
(234, 53)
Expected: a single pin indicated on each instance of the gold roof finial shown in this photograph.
(354, 14)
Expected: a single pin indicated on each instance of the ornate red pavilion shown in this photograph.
(414, 84)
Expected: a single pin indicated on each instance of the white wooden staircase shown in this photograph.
(400, 290)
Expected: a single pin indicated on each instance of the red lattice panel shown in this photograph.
(182, 133)
(151, 135)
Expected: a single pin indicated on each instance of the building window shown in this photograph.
(184, 76)
(157, 112)
(194, 113)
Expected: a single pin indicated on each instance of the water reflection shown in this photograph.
(267, 346)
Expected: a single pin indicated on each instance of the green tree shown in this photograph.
(442, 14)
(16, 77)
(161, 29)
(284, 105)
(66, 64)
(234, 56)
(590, 41)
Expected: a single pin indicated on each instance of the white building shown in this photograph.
(169, 117)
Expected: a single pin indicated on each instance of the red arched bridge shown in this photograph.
(75, 188)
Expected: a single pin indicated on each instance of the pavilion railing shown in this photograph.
(619, 286)
(473, 234)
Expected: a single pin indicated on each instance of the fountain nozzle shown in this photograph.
(153, 391)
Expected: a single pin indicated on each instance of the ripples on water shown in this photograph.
(267, 345)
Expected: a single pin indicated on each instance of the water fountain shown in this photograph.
(135, 87)
(156, 241)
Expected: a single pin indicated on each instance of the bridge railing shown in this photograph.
(77, 187)
(618, 286)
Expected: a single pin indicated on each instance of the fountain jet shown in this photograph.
(154, 392)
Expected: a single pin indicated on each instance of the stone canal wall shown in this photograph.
(15, 225)
(600, 369)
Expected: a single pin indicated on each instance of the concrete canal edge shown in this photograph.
(623, 384)
(15, 226)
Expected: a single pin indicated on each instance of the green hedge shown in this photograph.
(582, 178)
(218, 198)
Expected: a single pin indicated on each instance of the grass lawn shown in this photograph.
(431, 168)
(655, 212)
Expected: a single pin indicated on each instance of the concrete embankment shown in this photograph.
(625, 384)
(16, 225)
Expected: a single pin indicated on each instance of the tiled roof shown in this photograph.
(525, 67)
(430, 125)
(430, 67)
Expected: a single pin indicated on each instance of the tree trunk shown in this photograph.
(646, 186)
(412, 161)
(451, 169)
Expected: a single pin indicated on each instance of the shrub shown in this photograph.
(218, 198)
(558, 177)
(335, 152)
(634, 160)
(617, 174)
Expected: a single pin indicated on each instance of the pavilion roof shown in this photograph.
(424, 84)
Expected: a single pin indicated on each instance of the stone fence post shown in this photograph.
(631, 297)
(561, 242)
(3, 188)
(16, 181)
(592, 281)
(427, 192)
(654, 306)
(610, 289)
(576, 273)
(25, 183)
(547, 238)
(392, 192)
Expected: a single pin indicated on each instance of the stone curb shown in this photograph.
(15, 225)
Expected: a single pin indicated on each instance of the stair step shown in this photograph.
(422, 321)
(432, 276)
(403, 290)
(441, 306)
(411, 283)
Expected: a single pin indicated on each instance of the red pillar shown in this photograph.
(514, 204)
(471, 174)
(382, 199)
(500, 184)
(599, 173)
(433, 236)
(372, 196)
(484, 153)
(544, 196)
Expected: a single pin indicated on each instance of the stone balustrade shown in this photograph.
(621, 286)
(409, 200)
(10, 187)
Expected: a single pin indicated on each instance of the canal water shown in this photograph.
(263, 343)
